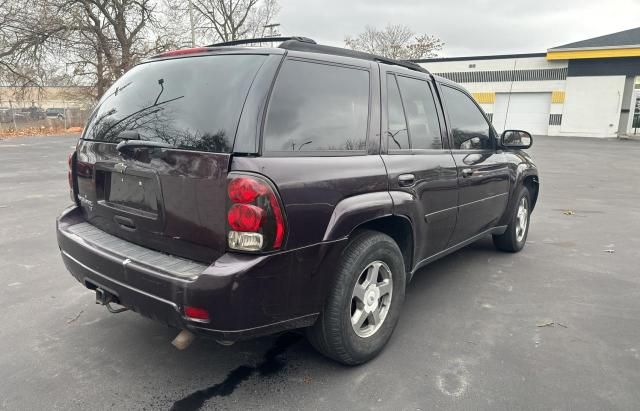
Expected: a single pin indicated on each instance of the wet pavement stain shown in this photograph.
(272, 364)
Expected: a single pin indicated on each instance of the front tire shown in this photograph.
(364, 305)
(515, 237)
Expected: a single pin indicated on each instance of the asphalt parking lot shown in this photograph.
(556, 326)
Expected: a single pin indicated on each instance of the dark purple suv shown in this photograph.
(234, 191)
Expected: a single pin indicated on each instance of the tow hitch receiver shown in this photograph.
(106, 298)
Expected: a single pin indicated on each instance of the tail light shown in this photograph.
(197, 314)
(71, 161)
(254, 216)
(182, 52)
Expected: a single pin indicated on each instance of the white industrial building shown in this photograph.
(590, 88)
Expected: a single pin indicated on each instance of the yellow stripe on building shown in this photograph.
(557, 97)
(485, 97)
(593, 54)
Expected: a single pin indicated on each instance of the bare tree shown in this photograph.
(235, 19)
(76, 42)
(261, 17)
(24, 35)
(105, 38)
(396, 42)
(91, 43)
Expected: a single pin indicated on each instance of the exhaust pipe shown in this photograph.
(183, 340)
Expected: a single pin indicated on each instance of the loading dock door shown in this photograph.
(526, 111)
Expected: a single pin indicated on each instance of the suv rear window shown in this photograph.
(318, 107)
(191, 103)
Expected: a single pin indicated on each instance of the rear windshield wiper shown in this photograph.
(128, 135)
(127, 144)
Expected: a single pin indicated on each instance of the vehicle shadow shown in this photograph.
(451, 270)
(208, 371)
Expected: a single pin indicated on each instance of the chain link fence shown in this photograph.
(36, 121)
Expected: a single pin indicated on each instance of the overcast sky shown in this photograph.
(467, 27)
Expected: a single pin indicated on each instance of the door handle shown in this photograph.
(406, 180)
(467, 172)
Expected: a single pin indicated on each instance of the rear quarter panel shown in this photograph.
(312, 187)
(324, 194)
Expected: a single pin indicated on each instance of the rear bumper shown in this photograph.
(246, 295)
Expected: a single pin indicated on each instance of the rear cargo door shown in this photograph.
(170, 198)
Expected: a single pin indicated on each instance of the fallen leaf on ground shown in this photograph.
(551, 324)
(70, 320)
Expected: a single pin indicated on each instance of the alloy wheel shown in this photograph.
(522, 219)
(371, 299)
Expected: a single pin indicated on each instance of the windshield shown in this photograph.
(190, 103)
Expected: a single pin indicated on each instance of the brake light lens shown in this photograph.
(245, 217)
(70, 171)
(254, 217)
(245, 190)
(182, 52)
(196, 313)
(70, 163)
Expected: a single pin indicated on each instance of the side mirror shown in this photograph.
(516, 139)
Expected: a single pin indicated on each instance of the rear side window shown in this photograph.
(420, 107)
(469, 128)
(411, 104)
(317, 107)
(191, 103)
(397, 129)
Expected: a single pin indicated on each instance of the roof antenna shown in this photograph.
(513, 79)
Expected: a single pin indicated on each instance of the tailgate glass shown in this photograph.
(190, 103)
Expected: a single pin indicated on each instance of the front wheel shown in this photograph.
(363, 308)
(515, 237)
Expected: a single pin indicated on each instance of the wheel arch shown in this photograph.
(399, 228)
(372, 211)
(533, 185)
(526, 176)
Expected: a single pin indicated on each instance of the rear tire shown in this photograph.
(515, 237)
(364, 305)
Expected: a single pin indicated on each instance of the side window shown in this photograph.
(318, 107)
(397, 129)
(422, 116)
(469, 128)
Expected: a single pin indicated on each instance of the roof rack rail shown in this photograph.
(262, 40)
(299, 43)
(404, 63)
(339, 51)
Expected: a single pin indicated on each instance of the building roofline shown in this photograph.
(618, 39)
(628, 46)
(467, 58)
